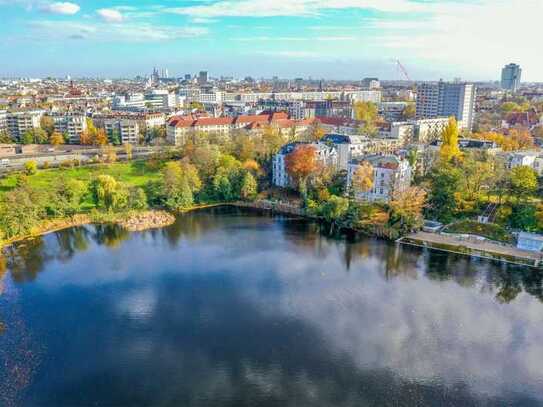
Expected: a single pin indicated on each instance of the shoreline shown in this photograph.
(133, 221)
(137, 221)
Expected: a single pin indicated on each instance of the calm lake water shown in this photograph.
(231, 308)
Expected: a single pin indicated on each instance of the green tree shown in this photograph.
(222, 188)
(68, 194)
(116, 137)
(5, 138)
(444, 183)
(523, 181)
(248, 187)
(28, 137)
(20, 210)
(108, 193)
(137, 199)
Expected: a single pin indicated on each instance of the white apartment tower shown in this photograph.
(445, 99)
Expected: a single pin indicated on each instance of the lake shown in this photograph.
(239, 308)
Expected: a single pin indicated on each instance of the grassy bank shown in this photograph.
(488, 230)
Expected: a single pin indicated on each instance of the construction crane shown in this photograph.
(402, 69)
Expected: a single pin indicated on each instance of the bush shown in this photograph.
(45, 165)
(31, 167)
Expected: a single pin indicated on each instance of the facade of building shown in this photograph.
(70, 125)
(511, 75)
(445, 99)
(128, 130)
(371, 83)
(390, 174)
(3, 121)
(19, 122)
(326, 156)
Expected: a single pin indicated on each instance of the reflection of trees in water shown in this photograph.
(71, 241)
(26, 259)
(505, 280)
(110, 235)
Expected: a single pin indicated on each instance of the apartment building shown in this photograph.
(3, 121)
(511, 75)
(445, 99)
(71, 125)
(390, 174)
(128, 130)
(20, 121)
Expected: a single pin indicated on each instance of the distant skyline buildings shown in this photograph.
(258, 38)
(511, 76)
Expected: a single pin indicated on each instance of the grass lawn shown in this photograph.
(133, 174)
(488, 230)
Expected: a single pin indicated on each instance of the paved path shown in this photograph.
(476, 245)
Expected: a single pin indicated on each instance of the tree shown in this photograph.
(248, 187)
(315, 132)
(406, 208)
(444, 184)
(56, 138)
(137, 199)
(31, 167)
(409, 111)
(128, 151)
(363, 177)
(67, 196)
(335, 208)
(28, 137)
(449, 148)
(523, 181)
(301, 163)
(108, 193)
(5, 138)
(109, 153)
(20, 210)
(179, 183)
(116, 137)
(47, 124)
(101, 138)
(222, 188)
(366, 112)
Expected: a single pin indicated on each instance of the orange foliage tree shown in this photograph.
(363, 177)
(301, 163)
(515, 140)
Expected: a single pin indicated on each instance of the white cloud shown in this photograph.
(105, 32)
(110, 15)
(266, 8)
(65, 8)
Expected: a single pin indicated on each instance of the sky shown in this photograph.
(331, 39)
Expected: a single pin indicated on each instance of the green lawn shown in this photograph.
(133, 174)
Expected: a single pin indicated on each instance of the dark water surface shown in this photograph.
(230, 308)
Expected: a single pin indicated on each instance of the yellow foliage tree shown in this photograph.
(449, 148)
(56, 139)
(363, 177)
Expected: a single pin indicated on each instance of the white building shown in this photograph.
(348, 147)
(326, 156)
(390, 174)
(131, 102)
(445, 99)
(530, 241)
(70, 125)
(3, 121)
(19, 122)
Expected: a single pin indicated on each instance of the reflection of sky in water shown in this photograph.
(258, 311)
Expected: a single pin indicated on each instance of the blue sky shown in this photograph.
(343, 39)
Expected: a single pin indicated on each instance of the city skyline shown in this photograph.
(343, 39)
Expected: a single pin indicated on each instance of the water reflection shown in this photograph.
(230, 308)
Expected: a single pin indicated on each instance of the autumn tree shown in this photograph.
(248, 187)
(108, 193)
(56, 138)
(47, 124)
(128, 151)
(300, 164)
(406, 208)
(315, 132)
(101, 138)
(366, 112)
(449, 148)
(409, 111)
(363, 178)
